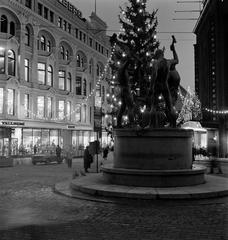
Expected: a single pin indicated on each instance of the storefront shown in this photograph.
(16, 138)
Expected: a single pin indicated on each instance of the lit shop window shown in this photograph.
(78, 113)
(1, 100)
(26, 105)
(41, 73)
(49, 107)
(68, 113)
(10, 101)
(61, 110)
(40, 106)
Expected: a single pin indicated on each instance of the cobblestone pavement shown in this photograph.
(29, 210)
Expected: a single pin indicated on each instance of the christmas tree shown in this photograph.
(131, 63)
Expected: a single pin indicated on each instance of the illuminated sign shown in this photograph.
(71, 127)
(71, 7)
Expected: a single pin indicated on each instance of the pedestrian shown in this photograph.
(35, 149)
(58, 152)
(105, 153)
(87, 159)
(69, 156)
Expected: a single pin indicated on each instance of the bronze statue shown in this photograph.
(164, 84)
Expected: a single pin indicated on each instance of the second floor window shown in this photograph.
(26, 70)
(43, 43)
(50, 76)
(61, 111)
(1, 100)
(78, 113)
(62, 79)
(68, 83)
(41, 73)
(78, 85)
(26, 105)
(10, 102)
(68, 111)
(2, 60)
(11, 62)
(49, 107)
(40, 106)
(27, 36)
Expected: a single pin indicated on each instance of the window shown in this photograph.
(4, 23)
(65, 25)
(49, 107)
(98, 90)
(62, 80)
(12, 28)
(78, 113)
(62, 52)
(43, 43)
(99, 70)
(27, 36)
(78, 86)
(68, 113)
(84, 87)
(84, 109)
(91, 66)
(60, 22)
(28, 3)
(26, 105)
(11, 62)
(1, 100)
(41, 73)
(103, 93)
(45, 13)
(48, 46)
(61, 110)
(51, 16)
(40, 9)
(69, 28)
(67, 55)
(2, 60)
(26, 70)
(84, 37)
(80, 35)
(50, 76)
(40, 106)
(76, 32)
(80, 61)
(90, 42)
(10, 101)
(68, 83)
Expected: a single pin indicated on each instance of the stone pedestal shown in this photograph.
(156, 158)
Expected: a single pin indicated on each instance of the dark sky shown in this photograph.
(108, 11)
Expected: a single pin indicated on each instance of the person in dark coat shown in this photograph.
(105, 153)
(87, 159)
(58, 151)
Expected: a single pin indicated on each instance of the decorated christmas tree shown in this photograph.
(131, 64)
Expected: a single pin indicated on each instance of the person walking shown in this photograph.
(105, 153)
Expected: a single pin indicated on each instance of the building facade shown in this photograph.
(211, 76)
(52, 74)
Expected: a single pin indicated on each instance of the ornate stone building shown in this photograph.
(52, 68)
(211, 83)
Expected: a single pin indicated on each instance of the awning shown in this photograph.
(195, 126)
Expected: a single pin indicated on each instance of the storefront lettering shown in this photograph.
(12, 123)
(70, 126)
(71, 7)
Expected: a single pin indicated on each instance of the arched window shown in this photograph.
(48, 46)
(98, 70)
(78, 60)
(27, 36)
(68, 84)
(67, 55)
(91, 67)
(43, 43)
(62, 52)
(84, 87)
(4, 23)
(50, 76)
(2, 60)
(12, 28)
(11, 62)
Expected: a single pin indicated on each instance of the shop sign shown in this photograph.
(71, 127)
(12, 123)
(71, 7)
